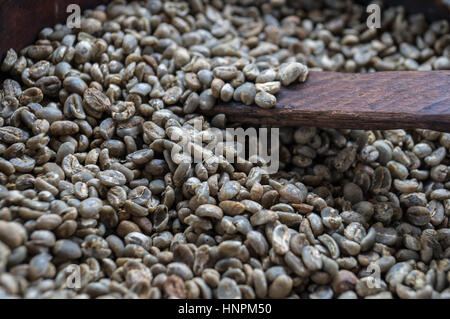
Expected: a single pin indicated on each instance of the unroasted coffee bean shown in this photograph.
(345, 280)
(12, 135)
(382, 180)
(228, 289)
(31, 95)
(63, 128)
(23, 164)
(292, 194)
(386, 236)
(106, 165)
(229, 190)
(12, 234)
(67, 250)
(122, 111)
(257, 243)
(206, 100)
(280, 239)
(43, 238)
(48, 222)
(232, 208)
(311, 258)
(353, 193)
(75, 85)
(180, 269)
(418, 215)
(225, 73)
(10, 59)
(89, 208)
(280, 287)
(265, 100)
(208, 210)
(49, 85)
(6, 167)
(96, 100)
(295, 264)
(111, 178)
(226, 94)
(174, 287)
(269, 87)
(292, 71)
(172, 95)
(260, 283)
(330, 244)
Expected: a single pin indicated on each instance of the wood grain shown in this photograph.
(382, 100)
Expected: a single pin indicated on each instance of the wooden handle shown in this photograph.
(383, 100)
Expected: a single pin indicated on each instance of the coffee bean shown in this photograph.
(95, 172)
(89, 208)
(418, 215)
(292, 71)
(265, 100)
(63, 128)
(344, 281)
(281, 287)
(281, 239)
(67, 250)
(228, 289)
(111, 178)
(311, 258)
(12, 234)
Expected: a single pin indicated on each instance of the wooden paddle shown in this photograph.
(382, 100)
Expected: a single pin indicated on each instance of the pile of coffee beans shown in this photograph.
(93, 204)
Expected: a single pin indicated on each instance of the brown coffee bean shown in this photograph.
(63, 128)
